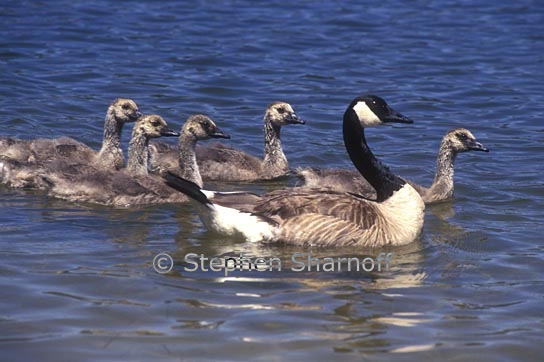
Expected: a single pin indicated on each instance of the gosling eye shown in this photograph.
(155, 123)
(125, 106)
(463, 137)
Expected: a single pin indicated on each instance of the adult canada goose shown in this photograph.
(133, 185)
(302, 216)
(110, 156)
(219, 162)
(455, 141)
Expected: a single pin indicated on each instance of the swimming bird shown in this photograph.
(219, 162)
(21, 174)
(198, 127)
(133, 185)
(110, 156)
(323, 217)
(454, 142)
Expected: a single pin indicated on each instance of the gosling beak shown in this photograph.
(294, 119)
(217, 133)
(474, 145)
(395, 117)
(167, 132)
(135, 116)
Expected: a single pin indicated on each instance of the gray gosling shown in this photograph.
(110, 156)
(82, 182)
(133, 185)
(454, 142)
(219, 162)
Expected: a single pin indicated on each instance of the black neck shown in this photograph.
(379, 176)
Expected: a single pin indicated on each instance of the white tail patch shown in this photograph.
(229, 221)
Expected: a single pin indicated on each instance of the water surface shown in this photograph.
(77, 280)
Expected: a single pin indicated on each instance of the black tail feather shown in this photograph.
(187, 187)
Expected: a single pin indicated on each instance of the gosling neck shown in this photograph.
(138, 154)
(111, 154)
(443, 179)
(378, 175)
(187, 159)
(275, 163)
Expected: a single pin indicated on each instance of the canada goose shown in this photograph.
(198, 127)
(455, 141)
(219, 162)
(110, 156)
(21, 174)
(133, 185)
(302, 216)
(89, 183)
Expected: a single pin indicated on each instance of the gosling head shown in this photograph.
(462, 140)
(281, 114)
(124, 110)
(201, 127)
(374, 111)
(153, 126)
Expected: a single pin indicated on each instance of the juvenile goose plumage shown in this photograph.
(302, 216)
(219, 162)
(198, 127)
(87, 183)
(133, 185)
(454, 142)
(110, 156)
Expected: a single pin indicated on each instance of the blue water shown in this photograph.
(78, 282)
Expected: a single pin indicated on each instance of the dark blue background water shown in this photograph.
(77, 281)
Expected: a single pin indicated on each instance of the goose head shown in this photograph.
(153, 126)
(368, 111)
(373, 111)
(124, 110)
(462, 140)
(281, 114)
(201, 127)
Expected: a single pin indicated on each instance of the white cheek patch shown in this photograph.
(366, 116)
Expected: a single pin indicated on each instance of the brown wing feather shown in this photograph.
(285, 204)
(325, 230)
